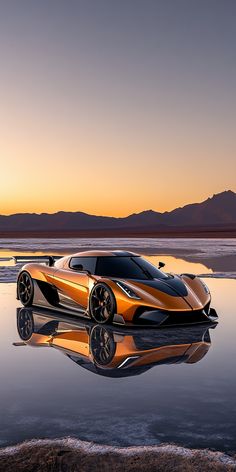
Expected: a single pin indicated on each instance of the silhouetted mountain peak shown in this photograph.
(218, 210)
(148, 213)
(227, 195)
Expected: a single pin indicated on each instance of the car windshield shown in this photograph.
(128, 268)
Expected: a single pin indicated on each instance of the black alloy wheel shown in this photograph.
(25, 288)
(25, 324)
(102, 304)
(102, 345)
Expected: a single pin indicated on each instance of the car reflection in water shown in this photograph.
(112, 351)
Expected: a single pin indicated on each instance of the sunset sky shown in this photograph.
(113, 107)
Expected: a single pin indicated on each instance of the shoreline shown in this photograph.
(73, 454)
(96, 234)
(217, 255)
(140, 250)
(221, 265)
(218, 259)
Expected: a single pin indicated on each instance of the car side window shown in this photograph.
(86, 263)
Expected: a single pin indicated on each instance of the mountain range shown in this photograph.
(216, 214)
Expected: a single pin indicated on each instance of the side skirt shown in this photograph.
(45, 297)
(42, 299)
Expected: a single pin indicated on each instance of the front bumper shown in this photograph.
(164, 318)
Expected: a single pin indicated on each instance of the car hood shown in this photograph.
(171, 293)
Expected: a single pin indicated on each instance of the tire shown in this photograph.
(102, 304)
(102, 345)
(25, 324)
(25, 288)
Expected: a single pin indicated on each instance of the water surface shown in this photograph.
(211, 254)
(50, 386)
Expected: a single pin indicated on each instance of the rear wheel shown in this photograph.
(102, 304)
(25, 324)
(25, 288)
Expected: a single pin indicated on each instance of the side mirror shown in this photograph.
(80, 268)
(161, 264)
(77, 267)
(51, 261)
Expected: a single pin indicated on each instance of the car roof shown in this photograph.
(104, 254)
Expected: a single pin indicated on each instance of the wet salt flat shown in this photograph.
(200, 256)
(180, 389)
(199, 246)
(9, 270)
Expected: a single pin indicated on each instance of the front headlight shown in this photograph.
(205, 287)
(127, 290)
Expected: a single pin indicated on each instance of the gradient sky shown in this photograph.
(112, 107)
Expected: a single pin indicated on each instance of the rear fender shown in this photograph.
(45, 293)
(40, 272)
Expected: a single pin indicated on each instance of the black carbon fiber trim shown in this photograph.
(172, 286)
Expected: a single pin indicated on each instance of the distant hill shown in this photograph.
(217, 213)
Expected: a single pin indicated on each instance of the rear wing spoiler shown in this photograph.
(24, 259)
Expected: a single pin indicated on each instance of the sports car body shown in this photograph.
(112, 351)
(115, 287)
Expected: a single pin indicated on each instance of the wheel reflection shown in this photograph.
(112, 351)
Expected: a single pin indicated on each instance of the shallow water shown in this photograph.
(178, 387)
(201, 256)
(199, 246)
(9, 270)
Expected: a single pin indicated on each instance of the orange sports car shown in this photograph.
(112, 351)
(114, 287)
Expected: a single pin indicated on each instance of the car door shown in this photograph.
(73, 284)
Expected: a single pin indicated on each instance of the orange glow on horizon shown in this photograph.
(106, 210)
(111, 118)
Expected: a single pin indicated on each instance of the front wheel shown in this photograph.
(102, 304)
(25, 288)
(102, 345)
